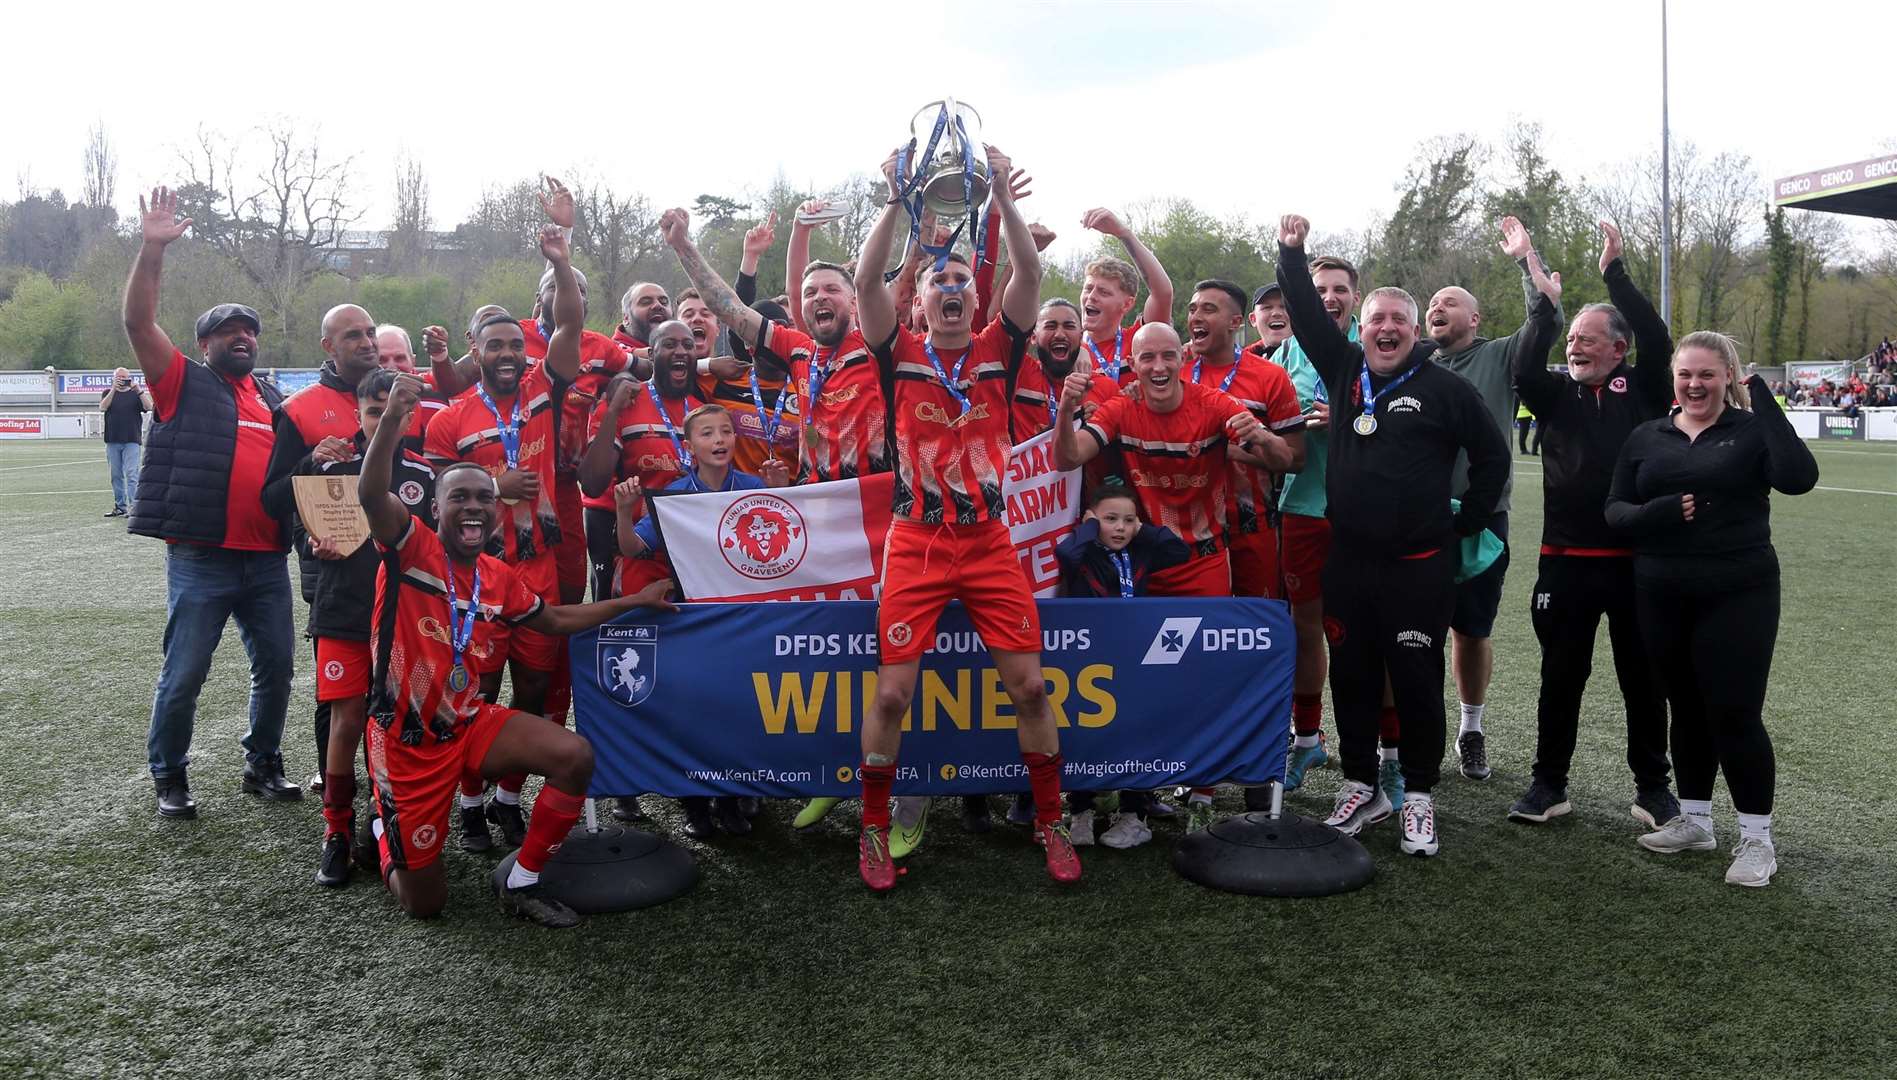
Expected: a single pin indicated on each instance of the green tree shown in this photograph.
(1781, 254)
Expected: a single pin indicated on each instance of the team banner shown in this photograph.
(768, 699)
(1814, 374)
(825, 541)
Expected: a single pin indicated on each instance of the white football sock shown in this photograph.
(506, 797)
(375, 826)
(1304, 742)
(1387, 753)
(470, 802)
(1755, 826)
(1471, 719)
(1699, 812)
(520, 877)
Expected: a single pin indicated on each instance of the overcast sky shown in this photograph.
(1255, 107)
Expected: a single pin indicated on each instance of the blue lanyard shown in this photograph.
(777, 415)
(948, 381)
(1198, 364)
(684, 455)
(509, 429)
(1111, 367)
(1124, 564)
(461, 631)
(1370, 399)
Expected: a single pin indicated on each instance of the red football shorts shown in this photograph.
(530, 648)
(571, 563)
(1206, 575)
(342, 669)
(631, 575)
(926, 566)
(415, 786)
(1255, 564)
(1307, 547)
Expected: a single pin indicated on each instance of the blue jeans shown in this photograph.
(206, 587)
(123, 457)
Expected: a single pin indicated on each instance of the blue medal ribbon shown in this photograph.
(461, 631)
(819, 374)
(1111, 367)
(1198, 364)
(509, 430)
(1124, 564)
(950, 381)
(777, 415)
(684, 455)
(1368, 422)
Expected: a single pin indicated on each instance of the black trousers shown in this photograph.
(1387, 615)
(1521, 433)
(1713, 655)
(1571, 594)
(322, 720)
(602, 547)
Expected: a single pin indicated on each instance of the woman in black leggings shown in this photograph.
(1690, 489)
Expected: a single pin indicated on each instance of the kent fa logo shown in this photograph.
(1172, 640)
(628, 662)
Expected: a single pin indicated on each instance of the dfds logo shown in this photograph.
(1175, 637)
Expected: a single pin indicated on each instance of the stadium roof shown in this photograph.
(1865, 188)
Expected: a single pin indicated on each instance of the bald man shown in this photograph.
(1454, 322)
(319, 419)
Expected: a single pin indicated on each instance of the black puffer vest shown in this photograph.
(184, 481)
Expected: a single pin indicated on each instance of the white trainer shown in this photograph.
(1357, 806)
(1081, 826)
(1680, 834)
(1126, 830)
(1754, 862)
(1419, 826)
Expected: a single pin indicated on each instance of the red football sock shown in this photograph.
(555, 811)
(1307, 713)
(1044, 779)
(877, 780)
(1388, 728)
(339, 797)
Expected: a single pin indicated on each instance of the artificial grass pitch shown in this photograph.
(138, 947)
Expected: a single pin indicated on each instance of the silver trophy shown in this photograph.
(953, 180)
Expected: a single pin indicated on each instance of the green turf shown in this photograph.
(137, 947)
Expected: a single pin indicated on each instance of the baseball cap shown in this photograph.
(1264, 291)
(223, 313)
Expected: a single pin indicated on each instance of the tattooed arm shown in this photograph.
(724, 302)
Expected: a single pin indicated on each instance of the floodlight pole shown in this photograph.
(1666, 186)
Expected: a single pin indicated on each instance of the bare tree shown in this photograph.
(1721, 215)
(102, 168)
(620, 234)
(278, 219)
(1819, 238)
(408, 240)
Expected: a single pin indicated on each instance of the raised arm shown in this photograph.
(675, 225)
(797, 256)
(1327, 347)
(1071, 451)
(449, 379)
(600, 462)
(1528, 353)
(1517, 245)
(159, 225)
(1022, 300)
(757, 240)
(628, 506)
(1653, 342)
(388, 518)
(1158, 307)
(875, 306)
(1789, 466)
(569, 307)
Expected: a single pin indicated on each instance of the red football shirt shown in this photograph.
(645, 442)
(1175, 461)
(949, 459)
(1034, 404)
(601, 358)
(845, 431)
(467, 430)
(1265, 389)
(246, 526)
(420, 653)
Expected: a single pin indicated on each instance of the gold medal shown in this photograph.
(458, 678)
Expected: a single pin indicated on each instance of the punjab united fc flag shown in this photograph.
(825, 541)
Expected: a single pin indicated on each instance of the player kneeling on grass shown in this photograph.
(710, 438)
(439, 599)
(1111, 555)
(341, 615)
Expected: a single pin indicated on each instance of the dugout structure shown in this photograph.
(1863, 188)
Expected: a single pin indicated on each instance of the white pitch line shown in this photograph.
(88, 491)
(1820, 487)
(49, 465)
